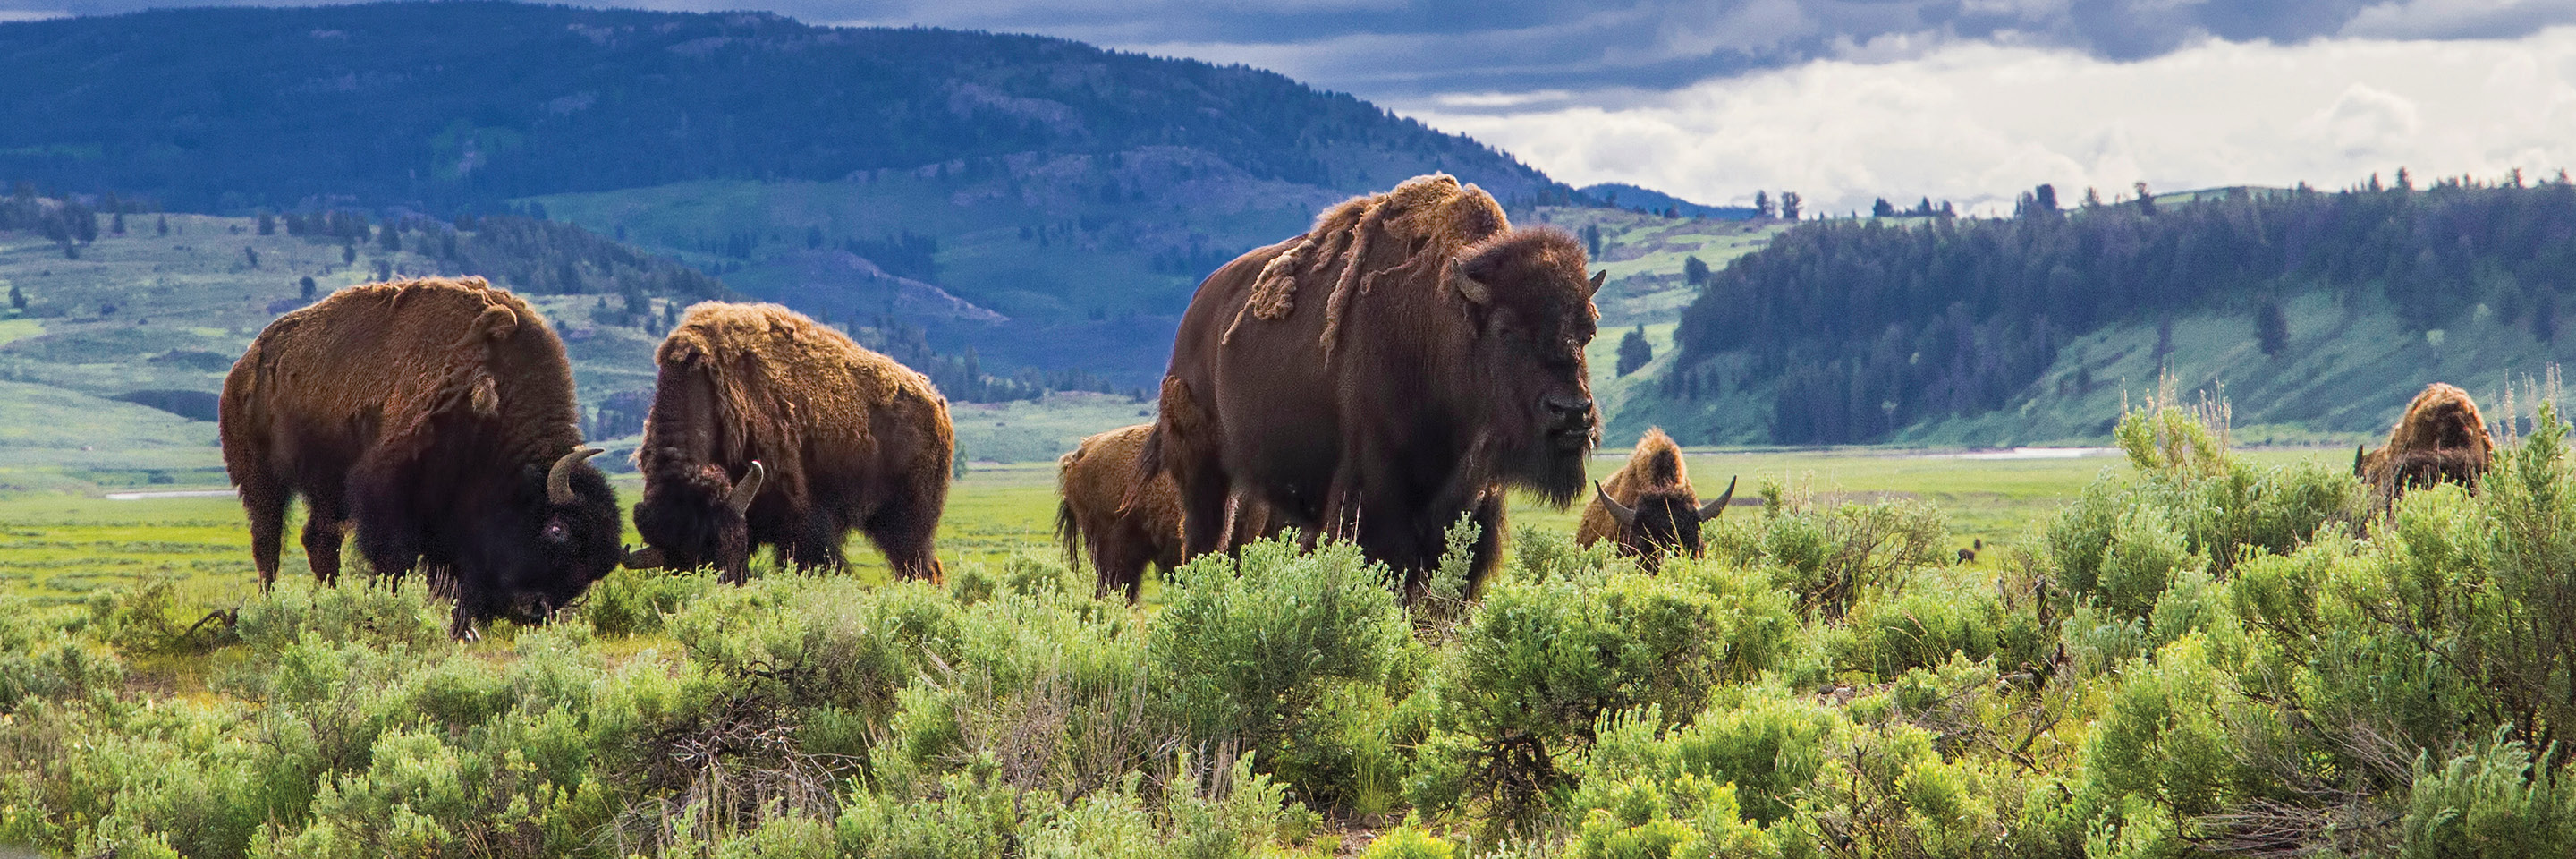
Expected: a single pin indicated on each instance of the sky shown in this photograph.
(1844, 101)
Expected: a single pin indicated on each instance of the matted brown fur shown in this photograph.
(1431, 217)
(412, 409)
(1654, 482)
(1444, 363)
(2441, 418)
(848, 438)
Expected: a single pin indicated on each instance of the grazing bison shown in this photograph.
(768, 429)
(1382, 375)
(438, 417)
(1097, 518)
(1648, 508)
(2440, 438)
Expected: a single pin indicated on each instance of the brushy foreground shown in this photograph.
(2205, 658)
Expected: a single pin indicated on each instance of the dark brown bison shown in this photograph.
(2441, 437)
(1648, 507)
(824, 436)
(1124, 527)
(1382, 375)
(438, 417)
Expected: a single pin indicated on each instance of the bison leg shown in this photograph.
(1488, 553)
(264, 503)
(325, 527)
(1121, 556)
(906, 534)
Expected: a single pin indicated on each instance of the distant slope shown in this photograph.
(458, 104)
(1992, 331)
(1625, 196)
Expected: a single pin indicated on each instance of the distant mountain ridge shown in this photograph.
(455, 105)
(1625, 196)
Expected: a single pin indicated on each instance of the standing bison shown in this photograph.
(768, 429)
(1648, 508)
(1123, 526)
(438, 416)
(1382, 375)
(2441, 438)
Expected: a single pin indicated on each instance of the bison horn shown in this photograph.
(2356, 459)
(745, 489)
(1627, 517)
(1711, 509)
(647, 558)
(559, 478)
(1597, 278)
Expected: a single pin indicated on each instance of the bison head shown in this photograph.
(1531, 309)
(1662, 522)
(692, 516)
(544, 551)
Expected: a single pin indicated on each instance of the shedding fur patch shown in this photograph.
(1431, 219)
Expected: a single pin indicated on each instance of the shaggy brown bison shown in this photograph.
(1096, 516)
(2440, 438)
(1384, 374)
(438, 417)
(824, 435)
(1648, 507)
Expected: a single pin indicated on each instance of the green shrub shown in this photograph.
(1243, 657)
(2490, 801)
(636, 602)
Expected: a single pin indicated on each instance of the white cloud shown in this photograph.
(1977, 122)
(11, 16)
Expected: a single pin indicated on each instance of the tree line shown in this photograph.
(1861, 327)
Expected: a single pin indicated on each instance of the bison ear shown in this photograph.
(1473, 290)
(1597, 278)
(1712, 509)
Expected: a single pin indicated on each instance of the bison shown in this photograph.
(1096, 518)
(438, 417)
(1648, 507)
(2440, 438)
(1383, 375)
(770, 430)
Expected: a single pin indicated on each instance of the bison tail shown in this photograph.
(1069, 531)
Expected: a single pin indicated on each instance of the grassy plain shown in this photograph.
(59, 547)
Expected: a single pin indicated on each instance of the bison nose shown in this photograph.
(1570, 407)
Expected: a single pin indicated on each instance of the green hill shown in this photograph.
(2033, 328)
(1043, 202)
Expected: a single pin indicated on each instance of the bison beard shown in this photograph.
(1649, 508)
(1383, 375)
(827, 436)
(438, 417)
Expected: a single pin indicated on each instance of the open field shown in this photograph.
(57, 547)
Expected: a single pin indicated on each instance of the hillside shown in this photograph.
(451, 105)
(2314, 313)
(1043, 202)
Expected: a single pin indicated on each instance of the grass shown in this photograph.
(59, 547)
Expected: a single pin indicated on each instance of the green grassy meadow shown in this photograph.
(58, 547)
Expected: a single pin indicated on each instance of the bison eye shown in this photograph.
(556, 532)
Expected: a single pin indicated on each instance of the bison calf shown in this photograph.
(1648, 507)
(824, 436)
(1122, 526)
(438, 417)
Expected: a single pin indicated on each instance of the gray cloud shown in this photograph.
(1382, 49)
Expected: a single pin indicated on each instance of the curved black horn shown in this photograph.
(1712, 509)
(2356, 458)
(746, 489)
(1627, 517)
(559, 478)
